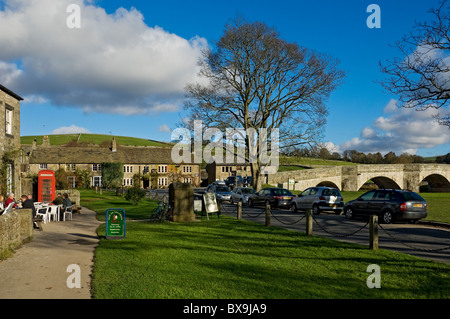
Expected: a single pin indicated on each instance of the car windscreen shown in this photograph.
(248, 191)
(412, 196)
(222, 189)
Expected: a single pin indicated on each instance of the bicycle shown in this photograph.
(159, 212)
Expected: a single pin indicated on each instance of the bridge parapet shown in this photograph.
(351, 178)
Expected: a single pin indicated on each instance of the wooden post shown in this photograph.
(267, 214)
(239, 210)
(373, 237)
(309, 222)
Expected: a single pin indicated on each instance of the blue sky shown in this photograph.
(100, 79)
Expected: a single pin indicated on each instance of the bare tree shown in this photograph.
(257, 81)
(421, 76)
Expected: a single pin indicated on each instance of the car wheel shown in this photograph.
(315, 210)
(348, 212)
(387, 217)
(293, 208)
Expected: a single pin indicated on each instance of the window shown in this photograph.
(71, 167)
(127, 182)
(128, 169)
(8, 120)
(146, 170)
(43, 166)
(72, 181)
(162, 181)
(97, 181)
(162, 169)
(381, 195)
(368, 196)
(96, 167)
(187, 169)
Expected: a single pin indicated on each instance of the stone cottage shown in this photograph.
(150, 166)
(9, 141)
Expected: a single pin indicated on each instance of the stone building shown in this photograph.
(9, 141)
(150, 166)
(219, 172)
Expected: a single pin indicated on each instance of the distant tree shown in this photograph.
(112, 175)
(61, 181)
(420, 77)
(390, 158)
(135, 194)
(443, 159)
(255, 80)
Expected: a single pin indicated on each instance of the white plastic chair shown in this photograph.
(53, 211)
(43, 211)
(8, 209)
(67, 211)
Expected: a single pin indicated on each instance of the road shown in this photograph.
(429, 242)
(423, 241)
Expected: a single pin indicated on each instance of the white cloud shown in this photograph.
(400, 130)
(114, 63)
(164, 128)
(73, 129)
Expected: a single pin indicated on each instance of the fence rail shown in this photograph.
(372, 223)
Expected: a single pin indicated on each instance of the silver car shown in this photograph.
(221, 190)
(319, 199)
(241, 194)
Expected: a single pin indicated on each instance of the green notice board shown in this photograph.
(115, 223)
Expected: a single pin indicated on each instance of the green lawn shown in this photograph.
(60, 139)
(227, 258)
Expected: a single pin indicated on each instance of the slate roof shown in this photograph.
(92, 154)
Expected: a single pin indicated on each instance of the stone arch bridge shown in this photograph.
(436, 177)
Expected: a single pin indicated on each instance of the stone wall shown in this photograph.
(16, 227)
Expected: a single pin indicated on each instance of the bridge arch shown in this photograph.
(328, 184)
(435, 183)
(382, 182)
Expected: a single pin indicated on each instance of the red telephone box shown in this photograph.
(46, 186)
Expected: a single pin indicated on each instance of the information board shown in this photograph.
(115, 223)
(210, 203)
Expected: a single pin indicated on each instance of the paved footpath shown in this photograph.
(40, 269)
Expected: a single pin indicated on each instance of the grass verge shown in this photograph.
(226, 258)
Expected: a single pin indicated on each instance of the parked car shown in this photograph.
(276, 197)
(234, 181)
(221, 190)
(241, 194)
(319, 199)
(248, 181)
(389, 204)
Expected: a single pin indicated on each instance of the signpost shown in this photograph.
(210, 203)
(115, 223)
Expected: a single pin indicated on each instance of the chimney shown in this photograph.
(113, 145)
(34, 145)
(45, 141)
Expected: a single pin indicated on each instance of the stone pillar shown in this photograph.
(181, 201)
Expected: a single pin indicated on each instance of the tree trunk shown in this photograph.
(257, 178)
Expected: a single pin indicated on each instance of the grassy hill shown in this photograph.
(91, 139)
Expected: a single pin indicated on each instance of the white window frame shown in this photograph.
(97, 181)
(9, 120)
